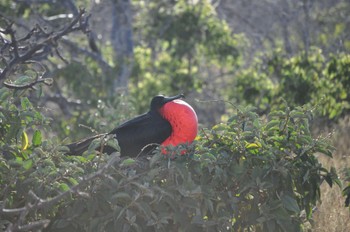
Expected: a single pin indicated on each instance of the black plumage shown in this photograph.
(137, 136)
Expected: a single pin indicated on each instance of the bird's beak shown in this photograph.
(169, 99)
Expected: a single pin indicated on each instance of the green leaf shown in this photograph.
(252, 145)
(298, 114)
(329, 180)
(24, 141)
(325, 151)
(26, 104)
(277, 113)
(96, 143)
(63, 187)
(272, 124)
(39, 91)
(290, 203)
(63, 149)
(113, 143)
(308, 209)
(48, 81)
(306, 176)
(23, 80)
(208, 156)
(73, 181)
(36, 140)
(121, 197)
(27, 164)
(335, 178)
(305, 139)
(155, 160)
(128, 162)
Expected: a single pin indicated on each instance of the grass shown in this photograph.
(331, 215)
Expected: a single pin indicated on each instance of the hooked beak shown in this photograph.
(169, 99)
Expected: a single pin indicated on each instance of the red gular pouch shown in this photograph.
(184, 122)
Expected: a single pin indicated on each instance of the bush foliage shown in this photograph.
(249, 173)
(299, 80)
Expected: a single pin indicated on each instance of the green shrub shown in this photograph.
(314, 80)
(247, 174)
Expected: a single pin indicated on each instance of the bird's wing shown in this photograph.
(145, 129)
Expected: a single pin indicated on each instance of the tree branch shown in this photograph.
(46, 81)
(44, 47)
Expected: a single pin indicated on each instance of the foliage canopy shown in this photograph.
(246, 173)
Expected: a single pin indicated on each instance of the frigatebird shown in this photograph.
(170, 121)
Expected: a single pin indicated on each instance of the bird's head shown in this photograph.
(159, 101)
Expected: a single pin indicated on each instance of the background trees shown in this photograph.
(68, 72)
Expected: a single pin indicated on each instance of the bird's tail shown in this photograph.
(79, 147)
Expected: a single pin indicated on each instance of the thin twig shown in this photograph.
(40, 48)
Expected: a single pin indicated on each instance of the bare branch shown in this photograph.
(60, 56)
(105, 67)
(46, 81)
(33, 226)
(16, 57)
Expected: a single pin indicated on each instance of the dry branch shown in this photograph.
(17, 55)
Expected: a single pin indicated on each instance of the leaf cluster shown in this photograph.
(314, 80)
(246, 174)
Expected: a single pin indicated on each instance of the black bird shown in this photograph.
(142, 134)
